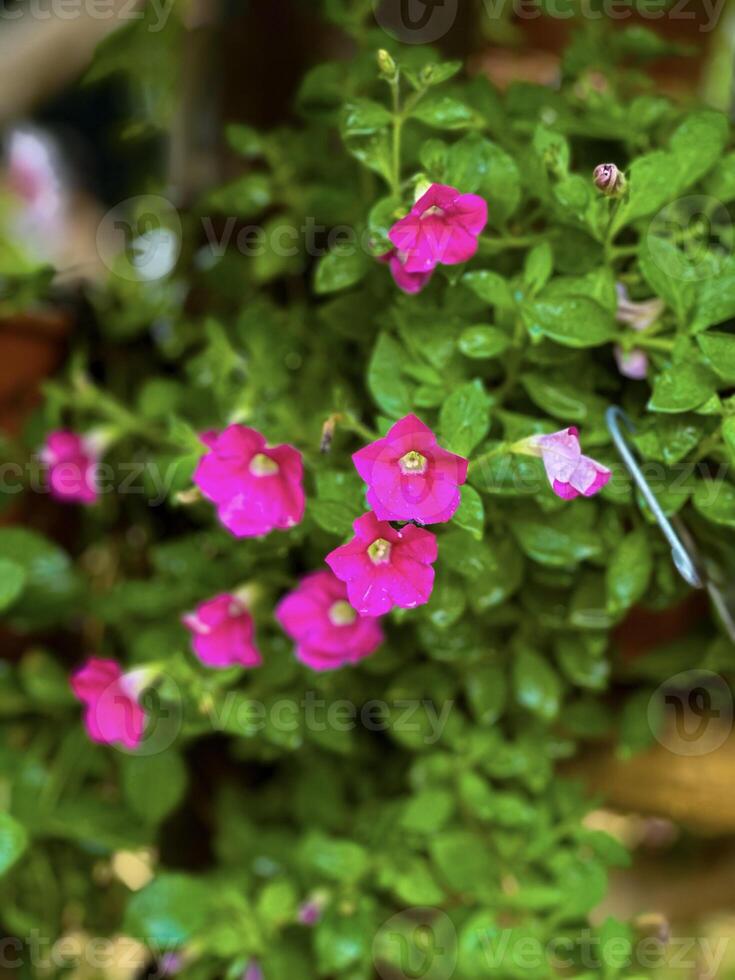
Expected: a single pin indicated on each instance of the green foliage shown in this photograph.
(425, 777)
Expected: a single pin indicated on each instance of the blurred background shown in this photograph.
(108, 129)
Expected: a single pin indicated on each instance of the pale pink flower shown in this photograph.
(409, 476)
(409, 282)
(569, 472)
(383, 567)
(113, 712)
(256, 488)
(639, 316)
(328, 632)
(442, 227)
(72, 462)
(33, 176)
(223, 633)
(631, 364)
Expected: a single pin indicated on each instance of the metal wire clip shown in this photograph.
(696, 571)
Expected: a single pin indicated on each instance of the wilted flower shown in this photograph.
(383, 567)
(639, 316)
(409, 476)
(328, 632)
(222, 633)
(569, 472)
(255, 487)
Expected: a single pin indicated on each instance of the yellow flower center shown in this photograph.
(379, 551)
(412, 463)
(433, 210)
(262, 465)
(341, 613)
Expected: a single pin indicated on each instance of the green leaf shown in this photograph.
(51, 585)
(538, 267)
(340, 269)
(13, 842)
(629, 571)
(491, 287)
(581, 664)
(436, 74)
(660, 260)
(719, 351)
(415, 885)
(361, 117)
(335, 516)
(537, 686)
(462, 860)
(682, 387)
(483, 342)
(464, 420)
(444, 112)
(557, 542)
(428, 811)
(246, 197)
(715, 300)
(574, 321)
(170, 911)
(470, 515)
(384, 377)
(338, 860)
(343, 939)
(698, 143)
(715, 500)
(12, 581)
(721, 181)
(486, 693)
(154, 785)
(276, 905)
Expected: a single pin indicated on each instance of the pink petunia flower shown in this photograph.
(639, 316)
(72, 462)
(409, 476)
(255, 487)
(328, 632)
(113, 713)
(409, 282)
(442, 227)
(223, 633)
(383, 567)
(33, 176)
(631, 364)
(569, 472)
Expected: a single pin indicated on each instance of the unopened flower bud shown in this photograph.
(386, 64)
(609, 179)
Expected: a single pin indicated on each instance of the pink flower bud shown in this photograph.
(609, 179)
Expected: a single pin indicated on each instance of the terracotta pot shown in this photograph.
(31, 348)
